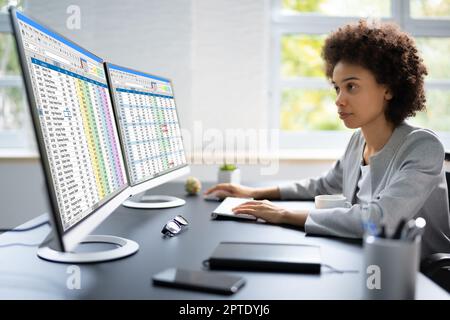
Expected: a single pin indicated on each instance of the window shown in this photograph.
(303, 106)
(15, 128)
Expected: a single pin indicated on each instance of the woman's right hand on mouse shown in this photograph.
(223, 190)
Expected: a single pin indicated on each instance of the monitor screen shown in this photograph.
(76, 129)
(148, 123)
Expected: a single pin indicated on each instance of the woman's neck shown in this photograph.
(376, 134)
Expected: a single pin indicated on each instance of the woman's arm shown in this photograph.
(296, 218)
(271, 193)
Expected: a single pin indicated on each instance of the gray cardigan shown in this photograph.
(408, 181)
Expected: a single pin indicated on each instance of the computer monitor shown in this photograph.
(77, 139)
(150, 132)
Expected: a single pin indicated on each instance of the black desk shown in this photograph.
(23, 275)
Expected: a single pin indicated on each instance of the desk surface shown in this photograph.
(24, 276)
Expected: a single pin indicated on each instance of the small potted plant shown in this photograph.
(229, 173)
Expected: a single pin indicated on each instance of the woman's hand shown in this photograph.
(263, 209)
(224, 190)
(271, 213)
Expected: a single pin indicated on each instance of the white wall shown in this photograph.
(230, 63)
(22, 192)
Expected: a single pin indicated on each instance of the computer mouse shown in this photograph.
(215, 196)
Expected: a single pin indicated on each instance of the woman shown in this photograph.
(389, 167)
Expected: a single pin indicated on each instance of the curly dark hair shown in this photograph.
(390, 54)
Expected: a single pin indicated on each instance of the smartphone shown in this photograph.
(199, 280)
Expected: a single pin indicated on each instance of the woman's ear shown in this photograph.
(388, 94)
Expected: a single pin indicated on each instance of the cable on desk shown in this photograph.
(23, 230)
(26, 229)
(19, 244)
(26, 244)
(337, 270)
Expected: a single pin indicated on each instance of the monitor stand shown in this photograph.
(143, 201)
(124, 249)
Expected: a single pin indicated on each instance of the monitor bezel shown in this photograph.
(69, 239)
(162, 177)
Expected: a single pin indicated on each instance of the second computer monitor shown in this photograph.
(150, 133)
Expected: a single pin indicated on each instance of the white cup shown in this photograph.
(327, 201)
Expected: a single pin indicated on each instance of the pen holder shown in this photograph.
(390, 268)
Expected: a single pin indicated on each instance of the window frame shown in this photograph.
(315, 24)
(22, 137)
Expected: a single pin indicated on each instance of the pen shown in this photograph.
(417, 230)
(382, 233)
(398, 231)
(370, 228)
(374, 230)
(406, 228)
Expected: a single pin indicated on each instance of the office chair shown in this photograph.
(437, 266)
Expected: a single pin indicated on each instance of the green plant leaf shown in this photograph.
(228, 167)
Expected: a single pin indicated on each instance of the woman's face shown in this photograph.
(361, 101)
